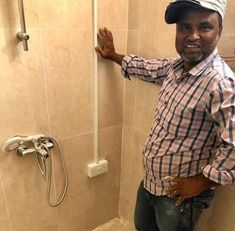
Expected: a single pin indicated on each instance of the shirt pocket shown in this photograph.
(186, 119)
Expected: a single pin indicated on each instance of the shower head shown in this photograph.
(14, 142)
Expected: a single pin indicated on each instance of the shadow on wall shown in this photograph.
(9, 14)
(230, 60)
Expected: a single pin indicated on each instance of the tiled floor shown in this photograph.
(114, 225)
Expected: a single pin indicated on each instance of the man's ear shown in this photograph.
(220, 30)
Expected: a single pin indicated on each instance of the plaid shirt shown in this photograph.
(193, 130)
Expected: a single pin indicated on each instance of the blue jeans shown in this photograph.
(159, 213)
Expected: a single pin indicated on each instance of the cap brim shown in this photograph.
(175, 9)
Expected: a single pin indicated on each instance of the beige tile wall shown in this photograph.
(50, 90)
(149, 36)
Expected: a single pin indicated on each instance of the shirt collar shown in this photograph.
(198, 69)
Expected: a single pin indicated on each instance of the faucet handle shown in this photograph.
(23, 150)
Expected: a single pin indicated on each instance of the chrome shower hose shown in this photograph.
(50, 174)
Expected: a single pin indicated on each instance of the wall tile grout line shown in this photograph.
(5, 200)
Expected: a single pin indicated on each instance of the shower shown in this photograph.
(41, 146)
(22, 35)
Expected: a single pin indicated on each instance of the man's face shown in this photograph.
(197, 34)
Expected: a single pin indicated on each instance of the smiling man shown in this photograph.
(191, 147)
(197, 33)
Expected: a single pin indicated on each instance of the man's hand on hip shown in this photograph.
(187, 187)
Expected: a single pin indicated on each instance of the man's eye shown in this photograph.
(183, 28)
(206, 27)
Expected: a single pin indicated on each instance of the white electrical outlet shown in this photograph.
(97, 168)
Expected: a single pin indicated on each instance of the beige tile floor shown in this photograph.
(115, 225)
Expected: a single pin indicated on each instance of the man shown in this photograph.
(190, 149)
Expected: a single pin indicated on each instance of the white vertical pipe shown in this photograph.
(95, 81)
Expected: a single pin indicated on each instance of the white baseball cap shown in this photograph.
(174, 9)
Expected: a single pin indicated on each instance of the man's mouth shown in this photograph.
(192, 46)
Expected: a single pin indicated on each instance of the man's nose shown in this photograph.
(193, 35)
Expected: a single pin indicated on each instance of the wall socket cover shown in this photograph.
(96, 168)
